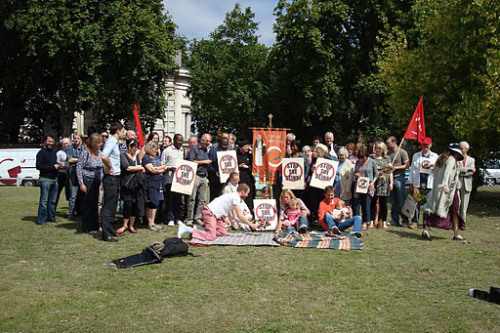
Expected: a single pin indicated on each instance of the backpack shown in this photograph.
(174, 247)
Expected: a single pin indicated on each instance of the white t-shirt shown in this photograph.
(223, 205)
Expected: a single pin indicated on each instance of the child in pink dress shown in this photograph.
(291, 217)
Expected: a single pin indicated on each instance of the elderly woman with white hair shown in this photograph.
(467, 168)
(344, 177)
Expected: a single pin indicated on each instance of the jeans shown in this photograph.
(397, 198)
(198, 198)
(354, 221)
(303, 222)
(90, 216)
(111, 185)
(363, 200)
(47, 203)
(73, 198)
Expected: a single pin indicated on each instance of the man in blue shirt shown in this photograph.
(111, 181)
(46, 163)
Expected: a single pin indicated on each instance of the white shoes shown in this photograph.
(171, 223)
(183, 229)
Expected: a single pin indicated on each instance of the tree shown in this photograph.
(455, 63)
(89, 55)
(323, 64)
(229, 75)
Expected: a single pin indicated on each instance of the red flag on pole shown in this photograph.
(138, 127)
(416, 128)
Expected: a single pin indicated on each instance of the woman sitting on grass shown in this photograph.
(286, 198)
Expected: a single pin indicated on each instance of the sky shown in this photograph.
(198, 18)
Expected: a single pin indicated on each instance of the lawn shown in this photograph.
(54, 279)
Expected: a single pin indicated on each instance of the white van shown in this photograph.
(18, 165)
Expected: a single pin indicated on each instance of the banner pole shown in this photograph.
(397, 151)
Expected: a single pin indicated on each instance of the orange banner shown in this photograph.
(269, 147)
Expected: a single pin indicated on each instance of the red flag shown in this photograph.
(138, 127)
(416, 128)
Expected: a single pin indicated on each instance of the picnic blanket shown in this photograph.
(318, 241)
(239, 239)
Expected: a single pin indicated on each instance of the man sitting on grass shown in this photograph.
(215, 214)
(326, 207)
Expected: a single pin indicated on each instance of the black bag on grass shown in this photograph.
(174, 247)
(146, 257)
(171, 247)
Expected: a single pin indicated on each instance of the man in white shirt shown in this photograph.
(215, 215)
(422, 180)
(332, 147)
(169, 158)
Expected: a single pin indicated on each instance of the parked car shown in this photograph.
(18, 165)
(491, 172)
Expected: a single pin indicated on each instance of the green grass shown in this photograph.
(54, 279)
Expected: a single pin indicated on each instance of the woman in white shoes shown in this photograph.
(215, 215)
(442, 207)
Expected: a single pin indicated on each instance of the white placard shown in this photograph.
(425, 165)
(362, 185)
(227, 162)
(184, 176)
(265, 213)
(324, 173)
(293, 173)
(409, 207)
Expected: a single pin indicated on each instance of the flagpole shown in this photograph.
(397, 151)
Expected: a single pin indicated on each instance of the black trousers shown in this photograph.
(61, 183)
(90, 216)
(111, 185)
(173, 203)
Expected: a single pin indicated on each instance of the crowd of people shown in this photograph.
(110, 170)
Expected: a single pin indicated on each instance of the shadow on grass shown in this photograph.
(412, 235)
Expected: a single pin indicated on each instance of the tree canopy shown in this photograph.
(85, 55)
(229, 75)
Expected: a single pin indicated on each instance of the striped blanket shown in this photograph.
(239, 239)
(316, 241)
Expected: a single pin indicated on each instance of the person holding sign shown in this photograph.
(316, 194)
(215, 215)
(421, 177)
(366, 173)
(169, 159)
(214, 176)
(296, 148)
(383, 185)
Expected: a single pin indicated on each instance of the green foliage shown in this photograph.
(229, 75)
(90, 55)
(455, 64)
(323, 64)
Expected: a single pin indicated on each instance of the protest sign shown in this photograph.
(265, 213)
(425, 165)
(293, 173)
(183, 178)
(226, 160)
(324, 173)
(362, 185)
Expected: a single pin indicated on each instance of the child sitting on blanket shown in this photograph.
(341, 212)
(290, 218)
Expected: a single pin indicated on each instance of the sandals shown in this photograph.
(121, 230)
(426, 236)
(364, 227)
(132, 230)
(458, 237)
